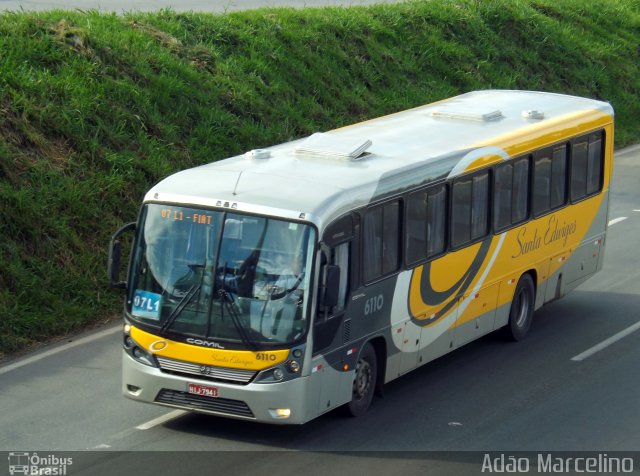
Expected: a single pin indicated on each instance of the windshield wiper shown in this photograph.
(186, 299)
(273, 296)
(226, 301)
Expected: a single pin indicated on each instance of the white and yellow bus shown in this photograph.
(280, 284)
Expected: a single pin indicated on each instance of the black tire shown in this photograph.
(364, 383)
(521, 312)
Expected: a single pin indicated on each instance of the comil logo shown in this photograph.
(34, 464)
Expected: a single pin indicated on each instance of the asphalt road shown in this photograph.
(491, 395)
(214, 6)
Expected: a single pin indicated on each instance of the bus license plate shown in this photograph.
(203, 390)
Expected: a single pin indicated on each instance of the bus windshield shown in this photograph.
(221, 276)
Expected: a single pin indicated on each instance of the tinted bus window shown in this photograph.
(559, 176)
(425, 227)
(579, 168)
(503, 196)
(520, 191)
(594, 163)
(380, 240)
(511, 194)
(461, 212)
(436, 221)
(541, 182)
(470, 209)
(480, 206)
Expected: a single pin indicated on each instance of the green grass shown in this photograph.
(96, 108)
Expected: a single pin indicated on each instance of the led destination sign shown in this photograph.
(180, 215)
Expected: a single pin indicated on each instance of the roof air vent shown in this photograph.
(477, 116)
(257, 154)
(333, 146)
(533, 114)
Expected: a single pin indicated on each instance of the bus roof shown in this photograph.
(321, 177)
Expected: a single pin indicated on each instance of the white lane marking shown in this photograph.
(161, 419)
(636, 210)
(628, 150)
(616, 220)
(102, 446)
(62, 348)
(606, 343)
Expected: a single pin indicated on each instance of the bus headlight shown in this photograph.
(289, 370)
(278, 374)
(136, 352)
(293, 366)
(273, 375)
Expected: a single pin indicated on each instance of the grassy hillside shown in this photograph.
(96, 108)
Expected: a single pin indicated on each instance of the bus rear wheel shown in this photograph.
(364, 383)
(521, 313)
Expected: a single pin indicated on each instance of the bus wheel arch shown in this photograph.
(522, 307)
(380, 346)
(364, 382)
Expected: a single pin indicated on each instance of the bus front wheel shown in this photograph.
(364, 383)
(521, 313)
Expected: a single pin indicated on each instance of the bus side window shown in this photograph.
(470, 209)
(594, 163)
(559, 177)
(480, 206)
(340, 257)
(549, 179)
(520, 210)
(416, 226)
(579, 169)
(511, 193)
(436, 221)
(541, 182)
(425, 224)
(461, 212)
(503, 197)
(381, 240)
(586, 165)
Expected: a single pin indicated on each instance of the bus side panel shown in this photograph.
(412, 345)
(584, 261)
(329, 387)
(574, 266)
(478, 318)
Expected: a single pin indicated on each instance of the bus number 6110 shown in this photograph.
(373, 304)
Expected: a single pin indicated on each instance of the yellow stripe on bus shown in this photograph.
(543, 245)
(235, 359)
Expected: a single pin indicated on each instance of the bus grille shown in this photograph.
(206, 372)
(224, 406)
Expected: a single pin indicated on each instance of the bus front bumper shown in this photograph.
(280, 403)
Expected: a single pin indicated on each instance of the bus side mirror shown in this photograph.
(115, 250)
(331, 281)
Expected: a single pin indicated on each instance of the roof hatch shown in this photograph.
(333, 146)
(533, 114)
(470, 115)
